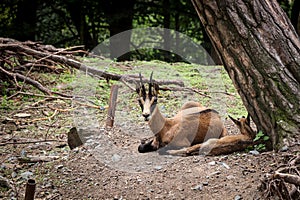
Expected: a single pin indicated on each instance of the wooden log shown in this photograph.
(30, 190)
(112, 106)
(74, 139)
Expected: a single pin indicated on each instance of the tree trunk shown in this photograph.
(25, 22)
(167, 34)
(261, 52)
(120, 15)
(77, 13)
(295, 16)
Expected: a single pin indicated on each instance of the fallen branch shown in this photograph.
(28, 142)
(28, 80)
(32, 54)
(63, 60)
(35, 159)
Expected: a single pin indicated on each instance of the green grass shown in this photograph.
(212, 81)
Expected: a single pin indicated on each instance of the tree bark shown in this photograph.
(25, 22)
(295, 16)
(260, 50)
(120, 15)
(78, 16)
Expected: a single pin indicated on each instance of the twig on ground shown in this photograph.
(28, 142)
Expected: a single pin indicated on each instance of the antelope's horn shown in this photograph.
(151, 77)
(142, 84)
(150, 82)
(141, 80)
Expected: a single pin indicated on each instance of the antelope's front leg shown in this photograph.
(178, 152)
(185, 151)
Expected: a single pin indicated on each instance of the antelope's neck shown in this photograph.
(157, 121)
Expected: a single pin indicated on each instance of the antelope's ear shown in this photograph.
(138, 90)
(248, 119)
(237, 122)
(156, 89)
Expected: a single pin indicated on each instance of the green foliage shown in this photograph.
(6, 104)
(74, 22)
(4, 87)
(260, 136)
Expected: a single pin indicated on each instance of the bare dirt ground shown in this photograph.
(89, 172)
(33, 144)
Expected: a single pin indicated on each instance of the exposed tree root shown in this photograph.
(284, 182)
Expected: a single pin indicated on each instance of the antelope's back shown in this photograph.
(198, 124)
(210, 126)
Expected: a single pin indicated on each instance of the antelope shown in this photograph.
(193, 124)
(225, 145)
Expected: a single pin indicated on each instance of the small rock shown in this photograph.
(59, 166)
(22, 115)
(225, 165)
(284, 148)
(26, 175)
(116, 158)
(254, 152)
(78, 180)
(205, 183)
(230, 177)
(23, 153)
(180, 188)
(198, 187)
(158, 167)
(214, 173)
(14, 174)
(212, 163)
(4, 182)
(238, 197)
(74, 139)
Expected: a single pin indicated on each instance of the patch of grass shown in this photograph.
(6, 104)
(4, 85)
(209, 80)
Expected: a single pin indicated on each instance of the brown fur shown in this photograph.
(224, 145)
(192, 125)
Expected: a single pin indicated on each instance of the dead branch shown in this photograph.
(35, 159)
(33, 54)
(28, 142)
(63, 60)
(170, 88)
(27, 79)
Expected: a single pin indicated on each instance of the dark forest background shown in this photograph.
(64, 23)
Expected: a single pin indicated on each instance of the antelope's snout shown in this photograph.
(146, 116)
(146, 147)
(147, 108)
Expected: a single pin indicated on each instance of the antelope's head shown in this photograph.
(244, 125)
(147, 100)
